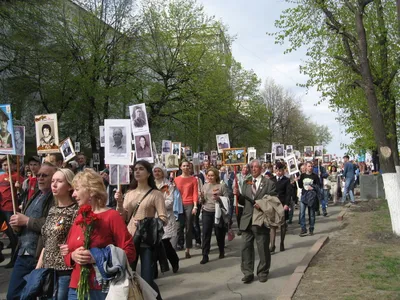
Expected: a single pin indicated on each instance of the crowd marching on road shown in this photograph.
(47, 232)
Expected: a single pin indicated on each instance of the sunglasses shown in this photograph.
(42, 175)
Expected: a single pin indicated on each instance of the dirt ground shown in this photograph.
(360, 261)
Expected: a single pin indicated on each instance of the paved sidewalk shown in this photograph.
(221, 279)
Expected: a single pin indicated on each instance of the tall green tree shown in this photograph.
(353, 54)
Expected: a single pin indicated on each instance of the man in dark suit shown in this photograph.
(284, 191)
(256, 189)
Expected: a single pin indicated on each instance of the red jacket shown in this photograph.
(108, 229)
(5, 191)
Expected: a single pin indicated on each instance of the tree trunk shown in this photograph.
(378, 124)
(390, 178)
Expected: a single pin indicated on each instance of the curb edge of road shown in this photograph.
(294, 280)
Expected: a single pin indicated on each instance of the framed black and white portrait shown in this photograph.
(19, 136)
(223, 142)
(123, 174)
(117, 141)
(279, 151)
(138, 117)
(47, 134)
(77, 147)
(96, 158)
(318, 151)
(213, 156)
(102, 136)
(308, 151)
(274, 144)
(327, 158)
(251, 154)
(166, 147)
(292, 166)
(176, 149)
(289, 149)
(67, 150)
(172, 162)
(268, 157)
(143, 147)
(188, 152)
(202, 156)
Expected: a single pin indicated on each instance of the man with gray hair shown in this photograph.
(118, 146)
(255, 188)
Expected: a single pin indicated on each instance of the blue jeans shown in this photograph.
(62, 287)
(23, 266)
(311, 217)
(324, 200)
(147, 266)
(348, 189)
(94, 295)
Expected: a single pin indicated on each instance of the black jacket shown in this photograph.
(284, 189)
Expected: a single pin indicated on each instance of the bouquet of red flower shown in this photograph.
(85, 219)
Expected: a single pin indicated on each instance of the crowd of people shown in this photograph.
(45, 232)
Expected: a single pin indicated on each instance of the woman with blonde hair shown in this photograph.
(109, 228)
(56, 228)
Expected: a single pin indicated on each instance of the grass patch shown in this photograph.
(382, 271)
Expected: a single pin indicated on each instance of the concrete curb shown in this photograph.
(340, 217)
(295, 278)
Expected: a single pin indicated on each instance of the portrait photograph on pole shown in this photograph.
(223, 142)
(118, 143)
(143, 147)
(19, 136)
(138, 115)
(67, 150)
(7, 141)
(47, 134)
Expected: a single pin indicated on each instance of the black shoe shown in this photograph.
(248, 278)
(175, 268)
(303, 233)
(221, 255)
(325, 214)
(272, 249)
(239, 233)
(311, 233)
(262, 278)
(187, 255)
(204, 260)
(282, 247)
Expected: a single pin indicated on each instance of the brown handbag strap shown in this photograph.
(135, 209)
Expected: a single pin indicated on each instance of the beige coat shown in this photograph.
(271, 212)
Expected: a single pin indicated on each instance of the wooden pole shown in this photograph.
(237, 188)
(11, 183)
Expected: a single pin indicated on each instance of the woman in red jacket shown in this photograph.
(109, 229)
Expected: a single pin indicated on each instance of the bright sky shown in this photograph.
(249, 21)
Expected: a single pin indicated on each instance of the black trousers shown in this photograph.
(196, 225)
(171, 253)
(219, 229)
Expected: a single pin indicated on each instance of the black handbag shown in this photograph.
(149, 231)
(49, 286)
